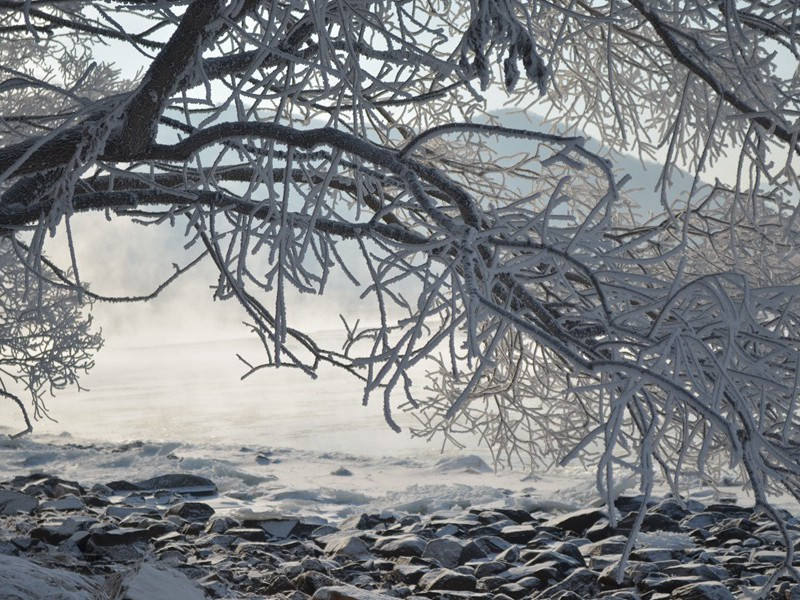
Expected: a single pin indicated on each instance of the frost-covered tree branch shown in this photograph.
(292, 142)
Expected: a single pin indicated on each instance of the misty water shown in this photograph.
(193, 392)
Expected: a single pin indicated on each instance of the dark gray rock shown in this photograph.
(491, 544)
(12, 502)
(182, 483)
(518, 534)
(192, 511)
(581, 582)
(402, 545)
(446, 551)
(410, 574)
(702, 591)
(251, 534)
(634, 573)
(311, 581)
(446, 579)
(347, 545)
(651, 522)
(577, 521)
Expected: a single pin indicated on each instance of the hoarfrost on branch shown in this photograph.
(561, 322)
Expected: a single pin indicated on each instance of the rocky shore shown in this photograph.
(158, 539)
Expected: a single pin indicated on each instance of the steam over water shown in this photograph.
(192, 392)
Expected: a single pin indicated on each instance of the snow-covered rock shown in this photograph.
(152, 583)
(348, 592)
(22, 579)
(470, 463)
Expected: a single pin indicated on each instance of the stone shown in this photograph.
(67, 502)
(182, 483)
(655, 554)
(120, 537)
(651, 522)
(251, 534)
(348, 592)
(220, 524)
(120, 512)
(311, 581)
(446, 579)
(279, 528)
(410, 574)
(702, 520)
(150, 582)
(12, 502)
(577, 521)
(342, 472)
(403, 545)
(558, 561)
(581, 582)
(711, 590)
(491, 544)
(518, 534)
(348, 545)
(192, 511)
(446, 551)
(21, 578)
(611, 545)
(634, 573)
(671, 508)
(709, 572)
(509, 554)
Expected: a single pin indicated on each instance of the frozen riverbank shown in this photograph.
(177, 522)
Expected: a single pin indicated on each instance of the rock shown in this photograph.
(251, 534)
(21, 578)
(362, 521)
(348, 592)
(581, 582)
(651, 522)
(182, 483)
(518, 534)
(153, 583)
(12, 502)
(120, 537)
(561, 562)
(655, 554)
(634, 573)
(67, 502)
(671, 508)
(611, 545)
(709, 572)
(219, 524)
(446, 579)
(342, 472)
(487, 569)
(192, 511)
(710, 590)
(702, 520)
(446, 551)
(348, 545)
(410, 574)
(274, 527)
(577, 521)
(509, 555)
(469, 464)
(311, 581)
(403, 545)
(491, 544)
